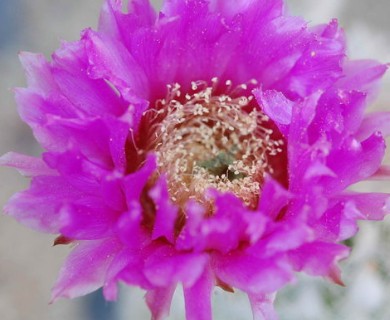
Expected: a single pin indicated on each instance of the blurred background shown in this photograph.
(28, 262)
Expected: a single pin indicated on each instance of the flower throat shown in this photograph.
(208, 140)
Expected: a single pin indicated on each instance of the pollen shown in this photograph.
(212, 137)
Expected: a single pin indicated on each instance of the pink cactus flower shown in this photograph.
(211, 144)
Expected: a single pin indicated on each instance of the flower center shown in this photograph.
(209, 140)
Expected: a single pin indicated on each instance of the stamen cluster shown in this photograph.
(209, 140)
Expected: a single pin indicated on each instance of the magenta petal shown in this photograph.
(165, 267)
(189, 238)
(85, 268)
(39, 207)
(275, 62)
(362, 75)
(175, 8)
(287, 235)
(372, 206)
(134, 183)
(68, 71)
(231, 225)
(113, 21)
(110, 287)
(349, 225)
(273, 198)
(38, 73)
(129, 227)
(275, 105)
(321, 61)
(373, 123)
(251, 274)
(198, 297)
(26, 165)
(101, 140)
(108, 20)
(262, 306)
(339, 113)
(298, 148)
(143, 10)
(159, 301)
(166, 211)
(78, 169)
(339, 222)
(233, 7)
(116, 65)
(319, 258)
(111, 186)
(318, 169)
(35, 110)
(127, 266)
(355, 162)
(86, 221)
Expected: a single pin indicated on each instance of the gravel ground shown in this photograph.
(28, 263)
